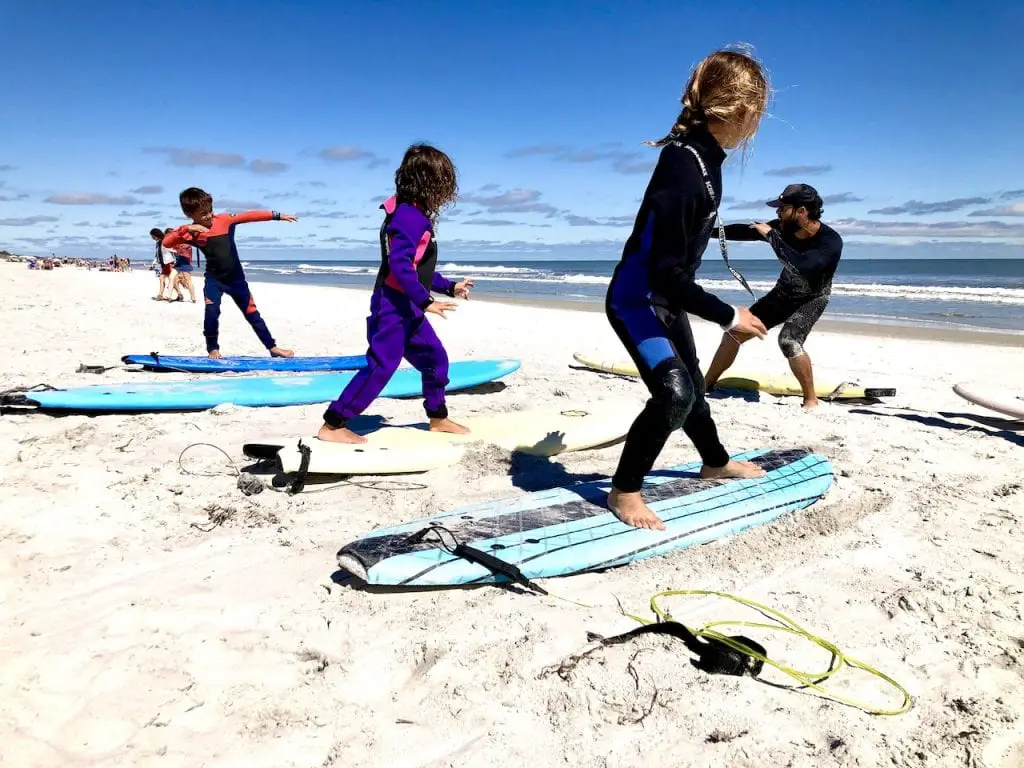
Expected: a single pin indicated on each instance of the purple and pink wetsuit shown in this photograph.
(397, 326)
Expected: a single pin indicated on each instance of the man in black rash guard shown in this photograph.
(809, 251)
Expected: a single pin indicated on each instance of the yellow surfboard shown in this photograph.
(775, 384)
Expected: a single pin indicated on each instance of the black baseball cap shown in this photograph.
(796, 195)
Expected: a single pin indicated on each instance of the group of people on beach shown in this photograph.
(173, 267)
(652, 290)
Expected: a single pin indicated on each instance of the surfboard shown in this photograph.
(382, 454)
(242, 364)
(1005, 401)
(250, 391)
(546, 431)
(780, 384)
(570, 529)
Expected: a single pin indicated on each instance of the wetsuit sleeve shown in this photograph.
(250, 216)
(741, 233)
(177, 237)
(442, 284)
(811, 262)
(670, 275)
(403, 238)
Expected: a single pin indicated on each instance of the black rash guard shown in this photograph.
(671, 231)
(809, 263)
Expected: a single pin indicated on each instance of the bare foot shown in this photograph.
(278, 352)
(732, 469)
(630, 509)
(216, 355)
(447, 425)
(812, 403)
(331, 434)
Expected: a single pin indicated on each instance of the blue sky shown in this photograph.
(906, 117)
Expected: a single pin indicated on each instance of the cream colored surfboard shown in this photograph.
(546, 431)
(1005, 401)
(387, 451)
(775, 384)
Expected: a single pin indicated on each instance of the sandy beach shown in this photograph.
(152, 614)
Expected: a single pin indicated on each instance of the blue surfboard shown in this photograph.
(569, 530)
(250, 391)
(242, 364)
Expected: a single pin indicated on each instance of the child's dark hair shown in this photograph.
(195, 200)
(727, 87)
(156, 234)
(426, 178)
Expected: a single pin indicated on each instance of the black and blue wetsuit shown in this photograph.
(651, 292)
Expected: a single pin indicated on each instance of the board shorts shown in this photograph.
(796, 314)
(182, 265)
(165, 269)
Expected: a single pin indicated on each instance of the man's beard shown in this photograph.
(790, 227)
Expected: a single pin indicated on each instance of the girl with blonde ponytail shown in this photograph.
(653, 288)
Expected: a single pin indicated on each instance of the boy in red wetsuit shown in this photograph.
(214, 235)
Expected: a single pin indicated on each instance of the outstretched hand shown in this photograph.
(762, 228)
(462, 288)
(750, 323)
(288, 217)
(440, 307)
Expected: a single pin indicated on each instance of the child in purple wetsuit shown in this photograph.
(397, 327)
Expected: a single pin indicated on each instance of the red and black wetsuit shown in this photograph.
(224, 272)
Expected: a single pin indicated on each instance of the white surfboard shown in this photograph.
(546, 431)
(1006, 401)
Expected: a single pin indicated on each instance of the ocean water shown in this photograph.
(964, 293)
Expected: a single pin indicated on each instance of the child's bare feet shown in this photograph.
(630, 509)
(447, 425)
(732, 469)
(278, 352)
(812, 403)
(331, 434)
(216, 355)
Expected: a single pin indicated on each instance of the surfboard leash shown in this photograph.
(718, 653)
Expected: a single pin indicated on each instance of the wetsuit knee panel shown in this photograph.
(675, 393)
(791, 347)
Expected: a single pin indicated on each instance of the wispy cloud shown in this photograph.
(91, 198)
(230, 204)
(6, 168)
(513, 201)
(605, 221)
(142, 214)
(800, 170)
(841, 197)
(350, 154)
(378, 199)
(149, 189)
(490, 187)
(919, 208)
(325, 215)
(313, 184)
(192, 158)
(31, 221)
(620, 162)
(324, 201)
(491, 222)
(938, 229)
(280, 195)
(267, 166)
(1012, 194)
(14, 199)
(82, 224)
(1015, 209)
(123, 223)
(749, 205)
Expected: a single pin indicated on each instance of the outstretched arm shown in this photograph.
(743, 233)
(668, 273)
(249, 216)
(442, 284)
(177, 237)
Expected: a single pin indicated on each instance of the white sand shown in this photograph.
(131, 637)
